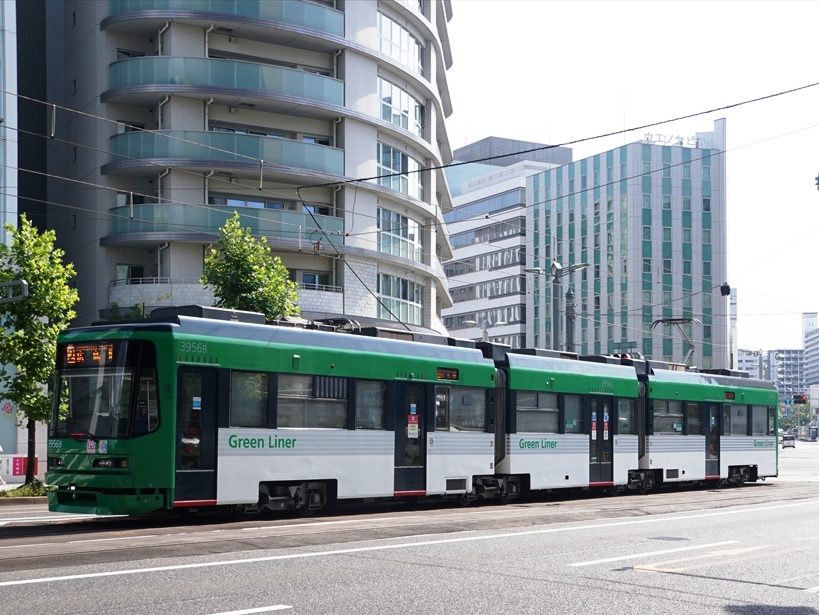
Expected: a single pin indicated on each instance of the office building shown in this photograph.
(184, 112)
(487, 230)
(786, 368)
(640, 234)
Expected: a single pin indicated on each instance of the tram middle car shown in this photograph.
(245, 416)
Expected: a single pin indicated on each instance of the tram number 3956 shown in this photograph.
(193, 348)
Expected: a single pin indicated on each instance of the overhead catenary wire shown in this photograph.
(534, 149)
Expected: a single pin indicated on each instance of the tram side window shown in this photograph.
(735, 420)
(460, 409)
(441, 408)
(146, 419)
(693, 412)
(759, 421)
(626, 422)
(370, 407)
(537, 412)
(771, 421)
(668, 417)
(312, 402)
(248, 399)
(573, 412)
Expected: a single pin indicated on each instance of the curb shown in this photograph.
(8, 501)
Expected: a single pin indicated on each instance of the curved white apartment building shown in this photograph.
(264, 107)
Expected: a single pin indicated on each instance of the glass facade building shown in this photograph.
(648, 219)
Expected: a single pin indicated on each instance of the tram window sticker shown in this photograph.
(447, 373)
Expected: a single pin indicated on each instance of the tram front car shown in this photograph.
(109, 449)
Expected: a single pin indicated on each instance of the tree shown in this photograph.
(29, 341)
(245, 276)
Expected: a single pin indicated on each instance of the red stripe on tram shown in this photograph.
(399, 494)
(607, 484)
(191, 503)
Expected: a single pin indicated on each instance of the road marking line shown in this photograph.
(656, 567)
(263, 609)
(406, 545)
(75, 542)
(653, 553)
(811, 590)
(48, 519)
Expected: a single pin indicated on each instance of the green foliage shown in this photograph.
(35, 488)
(118, 313)
(245, 276)
(31, 326)
(798, 414)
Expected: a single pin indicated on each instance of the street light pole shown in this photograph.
(556, 269)
(570, 316)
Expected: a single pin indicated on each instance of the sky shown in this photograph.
(552, 72)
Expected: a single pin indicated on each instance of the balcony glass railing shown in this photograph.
(216, 146)
(228, 74)
(295, 12)
(174, 217)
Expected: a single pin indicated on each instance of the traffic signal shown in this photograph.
(800, 399)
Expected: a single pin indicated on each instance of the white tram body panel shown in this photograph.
(680, 457)
(626, 452)
(757, 451)
(456, 457)
(552, 461)
(361, 461)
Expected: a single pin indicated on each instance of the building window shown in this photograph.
(686, 235)
(686, 203)
(646, 233)
(399, 235)
(687, 267)
(667, 297)
(646, 201)
(646, 168)
(647, 296)
(623, 170)
(706, 173)
(686, 171)
(706, 267)
(666, 233)
(666, 170)
(397, 43)
(667, 201)
(399, 299)
(706, 204)
(399, 171)
(706, 235)
(124, 54)
(315, 281)
(667, 265)
(398, 107)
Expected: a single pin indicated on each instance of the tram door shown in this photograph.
(410, 439)
(600, 439)
(196, 435)
(712, 442)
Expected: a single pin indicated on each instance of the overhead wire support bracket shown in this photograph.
(678, 322)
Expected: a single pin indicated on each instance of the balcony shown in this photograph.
(241, 17)
(135, 296)
(142, 153)
(321, 298)
(294, 227)
(231, 83)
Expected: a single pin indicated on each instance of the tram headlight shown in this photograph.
(55, 462)
(110, 462)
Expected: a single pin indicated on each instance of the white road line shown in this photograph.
(811, 590)
(405, 545)
(47, 519)
(263, 609)
(75, 542)
(653, 553)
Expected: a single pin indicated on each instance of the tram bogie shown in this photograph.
(188, 411)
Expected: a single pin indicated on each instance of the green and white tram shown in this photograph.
(201, 407)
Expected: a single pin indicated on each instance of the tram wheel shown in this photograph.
(307, 512)
(614, 491)
(464, 500)
(243, 512)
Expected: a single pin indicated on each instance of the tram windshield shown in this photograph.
(98, 395)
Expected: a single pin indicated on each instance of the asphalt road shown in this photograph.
(736, 550)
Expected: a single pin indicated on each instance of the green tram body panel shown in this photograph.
(700, 387)
(147, 484)
(547, 374)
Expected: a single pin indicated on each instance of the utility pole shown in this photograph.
(570, 316)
